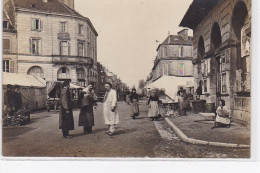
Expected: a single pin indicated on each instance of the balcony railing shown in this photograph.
(63, 36)
(72, 60)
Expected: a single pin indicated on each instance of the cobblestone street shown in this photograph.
(134, 138)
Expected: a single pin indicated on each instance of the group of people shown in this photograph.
(12, 100)
(87, 100)
(153, 103)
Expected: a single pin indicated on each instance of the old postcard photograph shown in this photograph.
(126, 79)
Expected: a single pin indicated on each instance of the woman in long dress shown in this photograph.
(87, 100)
(153, 106)
(127, 99)
(134, 106)
(222, 117)
(66, 121)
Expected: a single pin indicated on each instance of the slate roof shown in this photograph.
(176, 40)
(52, 6)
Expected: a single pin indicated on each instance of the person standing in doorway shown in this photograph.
(87, 99)
(66, 121)
(17, 96)
(134, 100)
(111, 116)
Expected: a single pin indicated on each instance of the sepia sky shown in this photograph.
(128, 30)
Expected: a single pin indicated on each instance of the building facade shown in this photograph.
(221, 58)
(174, 56)
(54, 41)
(9, 44)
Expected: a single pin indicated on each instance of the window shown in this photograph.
(224, 83)
(63, 27)
(81, 50)
(80, 73)
(180, 51)
(5, 24)
(181, 69)
(6, 45)
(80, 29)
(223, 57)
(37, 24)
(205, 85)
(82, 83)
(63, 70)
(36, 71)
(8, 66)
(35, 46)
(64, 48)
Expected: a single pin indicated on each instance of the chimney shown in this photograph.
(69, 3)
(169, 37)
(184, 34)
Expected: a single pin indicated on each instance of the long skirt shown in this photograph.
(135, 108)
(86, 116)
(127, 99)
(153, 109)
(222, 120)
(66, 121)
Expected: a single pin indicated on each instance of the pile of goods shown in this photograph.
(21, 117)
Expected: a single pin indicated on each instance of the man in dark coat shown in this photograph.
(87, 100)
(17, 98)
(66, 121)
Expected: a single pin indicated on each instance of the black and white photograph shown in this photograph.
(147, 79)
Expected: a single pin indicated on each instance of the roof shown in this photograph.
(52, 6)
(176, 40)
(23, 80)
(170, 85)
(197, 11)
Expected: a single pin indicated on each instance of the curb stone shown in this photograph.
(201, 142)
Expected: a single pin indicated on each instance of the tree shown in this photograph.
(141, 84)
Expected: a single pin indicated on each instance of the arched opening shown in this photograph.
(63, 74)
(215, 36)
(81, 77)
(36, 71)
(238, 18)
(201, 48)
(241, 27)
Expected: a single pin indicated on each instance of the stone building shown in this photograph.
(174, 56)
(54, 41)
(9, 44)
(221, 52)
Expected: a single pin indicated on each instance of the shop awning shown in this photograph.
(170, 84)
(23, 80)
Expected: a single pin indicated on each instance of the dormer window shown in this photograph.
(33, 5)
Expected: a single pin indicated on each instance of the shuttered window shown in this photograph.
(6, 45)
(37, 24)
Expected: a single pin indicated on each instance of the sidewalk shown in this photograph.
(198, 127)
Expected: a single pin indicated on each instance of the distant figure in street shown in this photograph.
(66, 121)
(8, 100)
(134, 100)
(17, 98)
(127, 99)
(153, 106)
(179, 92)
(111, 115)
(184, 103)
(87, 99)
(222, 116)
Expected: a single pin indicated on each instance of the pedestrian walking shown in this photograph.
(153, 106)
(222, 116)
(66, 121)
(134, 101)
(87, 99)
(111, 116)
(127, 99)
